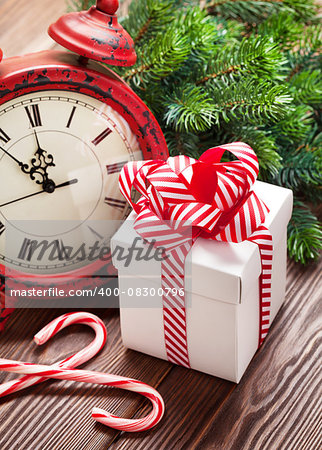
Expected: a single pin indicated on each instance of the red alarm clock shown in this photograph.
(67, 126)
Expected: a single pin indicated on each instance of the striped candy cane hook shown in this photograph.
(75, 360)
(105, 379)
(35, 374)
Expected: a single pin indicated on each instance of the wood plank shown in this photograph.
(191, 398)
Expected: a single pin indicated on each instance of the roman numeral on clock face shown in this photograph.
(115, 168)
(115, 203)
(4, 137)
(2, 228)
(33, 115)
(102, 136)
(71, 117)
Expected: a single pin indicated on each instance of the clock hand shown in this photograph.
(66, 183)
(37, 140)
(40, 164)
(21, 164)
(40, 153)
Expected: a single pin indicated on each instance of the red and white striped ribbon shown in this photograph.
(174, 311)
(263, 238)
(182, 199)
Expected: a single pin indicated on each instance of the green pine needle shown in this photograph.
(189, 110)
(306, 54)
(258, 56)
(159, 58)
(305, 10)
(282, 28)
(147, 17)
(306, 87)
(304, 234)
(295, 125)
(180, 143)
(250, 101)
(203, 32)
(243, 10)
(302, 172)
(254, 11)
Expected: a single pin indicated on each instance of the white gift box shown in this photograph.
(221, 293)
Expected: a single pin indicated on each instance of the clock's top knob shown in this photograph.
(95, 34)
(108, 6)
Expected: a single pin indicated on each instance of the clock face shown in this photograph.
(60, 157)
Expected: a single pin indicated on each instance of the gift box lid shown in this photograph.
(218, 270)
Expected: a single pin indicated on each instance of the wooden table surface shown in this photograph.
(277, 405)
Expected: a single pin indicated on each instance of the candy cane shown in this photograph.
(86, 376)
(72, 361)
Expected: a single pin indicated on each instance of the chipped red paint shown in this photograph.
(95, 34)
(53, 70)
(60, 70)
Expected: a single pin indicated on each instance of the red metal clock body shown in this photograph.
(65, 80)
(55, 70)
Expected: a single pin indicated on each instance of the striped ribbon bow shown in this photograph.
(184, 198)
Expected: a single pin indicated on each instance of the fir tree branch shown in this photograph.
(282, 28)
(295, 125)
(208, 84)
(303, 10)
(142, 31)
(258, 56)
(189, 110)
(157, 59)
(183, 144)
(307, 51)
(304, 234)
(147, 17)
(301, 172)
(250, 101)
(244, 10)
(306, 87)
(255, 11)
(202, 30)
(193, 109)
